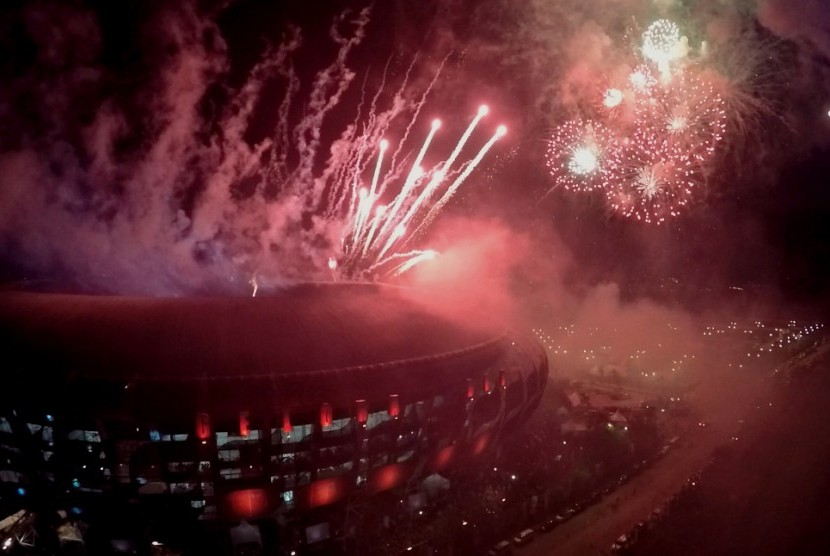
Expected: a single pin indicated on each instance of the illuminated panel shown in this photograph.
(244, 424)
(286, 421)
(442, 458)
(481, 442)
(202, 426)
(394, 406)
(388, 477)
(361, 411)
(325, 491)
(248, 504)
(325, 415)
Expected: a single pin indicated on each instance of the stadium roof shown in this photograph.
(334, 330)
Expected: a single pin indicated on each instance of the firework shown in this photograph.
(654, 179)
(662, 44)
(651, 159)
(372, 242)
(642, 79)
(612, 98)
(578, 155)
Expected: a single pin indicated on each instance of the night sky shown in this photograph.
(141, 142)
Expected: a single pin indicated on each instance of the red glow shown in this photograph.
(361, 411)
(249, 503)
(244, 424)
(480, 443)
(286, 421)
(202, 426)
(325, 415)
(394, 406)
(324, 492)
(443, 458)
(502, 379)
(470, 389)
(485, 383)
(387, 477)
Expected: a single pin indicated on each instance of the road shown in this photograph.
(721, 397)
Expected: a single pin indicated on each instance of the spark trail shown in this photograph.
(388, 230)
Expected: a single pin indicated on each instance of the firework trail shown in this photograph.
(370, 190)
(373, 239)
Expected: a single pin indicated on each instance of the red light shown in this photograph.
(480, 443)
(485, 383)
(244, 424)
(362, 411)
(202, 426)
(325, 491)
(470, 389)
(502, 379)
(286, 421)
(325, 415)
(394, 406)
(386, 477)
(443, 458)
(249, 503)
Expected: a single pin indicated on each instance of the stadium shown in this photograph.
(228, 408)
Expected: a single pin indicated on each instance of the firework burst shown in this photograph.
(578, 155)
(650, 145)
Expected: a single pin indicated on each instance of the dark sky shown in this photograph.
(133, 155)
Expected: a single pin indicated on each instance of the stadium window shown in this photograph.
(221, 439)
(338, 425)
(376, 419)
(84, 435)
(9, 476)
(228, 455)
(298, 433)
(182, 488)
(231, 473)
(406, 455)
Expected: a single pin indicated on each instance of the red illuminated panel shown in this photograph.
(325, 491)
(485, 383)
(361, 411)
(502, 379)
(325, 415)
(480, 443)
(394, 406)
(470, 389)
(388, 476)
(202, 426)
(286, 421)
(443, 458)
(244, 424)
(248, 504)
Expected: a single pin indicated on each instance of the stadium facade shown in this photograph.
(240, 407)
